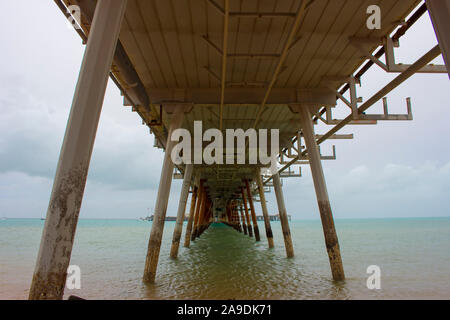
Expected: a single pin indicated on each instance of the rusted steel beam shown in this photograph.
(68, 187)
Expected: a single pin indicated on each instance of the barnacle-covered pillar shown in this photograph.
(326, 215)
(283, 216)
(247, 217)
(181, 210)
(187, 237)
(265, 212)
(252, 211)
(244, 225)
(53, 259)
(154, 244)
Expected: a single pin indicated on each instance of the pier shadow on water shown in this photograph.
(225, 264)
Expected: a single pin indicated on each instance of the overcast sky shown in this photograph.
(399, 169)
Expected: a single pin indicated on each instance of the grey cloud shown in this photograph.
(393, 169)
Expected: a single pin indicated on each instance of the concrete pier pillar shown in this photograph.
(203, 217)
(439, 13)
(187, 237)
(227, 211)
(238, 217)
(283, 216)
(244, 225)
(197, 209)
(181, 210)
(265, 212)
(154, 244)
(331, 239)
(252, 210)
(199, 213)
(68, 187)
(247, 217)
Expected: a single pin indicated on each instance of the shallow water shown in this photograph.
(413, 254)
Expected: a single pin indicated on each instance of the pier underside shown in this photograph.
(226, 65)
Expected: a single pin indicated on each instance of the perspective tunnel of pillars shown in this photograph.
(256, 64)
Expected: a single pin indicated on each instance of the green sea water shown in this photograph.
(413, 255)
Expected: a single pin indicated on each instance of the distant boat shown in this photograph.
(148, 217)
(3, 218)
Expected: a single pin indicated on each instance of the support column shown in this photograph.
(187, 237)
(252, 210)
(207, 216)
(154, 244)
(202, 218)
(204, 225)
(68, 187)
(247, 217)
(439, 11)
(244, 225)
(238, 218)
(283, 216)
(181, 210)
(262, 197)
(199, 213)
(331, 239)
(197, 209)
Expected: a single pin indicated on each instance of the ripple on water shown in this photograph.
(224, 264)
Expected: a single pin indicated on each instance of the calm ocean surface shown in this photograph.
(413, 254)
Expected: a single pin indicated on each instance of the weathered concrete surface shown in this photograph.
(265, 212)
(187, 237)
(199, 214)
(244, 225)
(252, 210)
(71, 174)
(283, 216)
(247, 217)
(331, 239)
(181, 209)
(154, 244)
